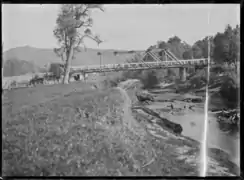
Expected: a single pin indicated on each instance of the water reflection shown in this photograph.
(222, 136)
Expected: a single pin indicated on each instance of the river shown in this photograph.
(192, 122)
(190, 116)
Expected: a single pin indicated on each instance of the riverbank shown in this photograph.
(79, 130)
(191, 116)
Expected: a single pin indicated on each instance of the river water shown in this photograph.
(193, 122)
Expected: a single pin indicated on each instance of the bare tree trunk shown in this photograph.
(67, 66)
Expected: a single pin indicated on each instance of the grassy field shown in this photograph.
(74, 130)
(46, 133)
(67, 130)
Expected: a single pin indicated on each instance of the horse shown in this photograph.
(36, 80)
(52, 77)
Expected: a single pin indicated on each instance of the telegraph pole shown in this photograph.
(2, 60)
(204, 145)
(2, 67)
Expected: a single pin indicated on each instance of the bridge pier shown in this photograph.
(182, 73)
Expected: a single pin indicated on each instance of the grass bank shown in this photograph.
(71, 130)
(74, 130)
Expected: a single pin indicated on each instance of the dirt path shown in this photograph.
(128, 119)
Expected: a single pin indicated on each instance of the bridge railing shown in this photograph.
(141, 65)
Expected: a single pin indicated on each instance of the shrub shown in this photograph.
(149, 79)
(217, 69)
(171, 72)
(229, 92)
(132, 74)
(110, 82)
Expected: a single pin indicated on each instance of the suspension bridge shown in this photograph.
(154, 59)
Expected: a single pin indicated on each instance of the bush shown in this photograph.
(217, 69)
(149, 79)
(229, 92)
(171, 72)
(110, 82)
(132, 74)
(190, 70)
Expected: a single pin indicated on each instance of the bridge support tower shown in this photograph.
(182, 73)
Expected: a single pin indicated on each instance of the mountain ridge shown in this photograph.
(42, 56)
(26, 59)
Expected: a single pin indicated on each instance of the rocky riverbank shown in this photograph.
(161, 117)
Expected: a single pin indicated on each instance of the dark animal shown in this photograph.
(52, 77)
(77, 77)
(36, 80)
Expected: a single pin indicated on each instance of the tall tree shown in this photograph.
(197, 52)
(203, 45)
(177, 47)
(188, 54)
(73, 25)
(227, 45)
(174, 39)
(234, 43)
(221, 50)
(162, 45)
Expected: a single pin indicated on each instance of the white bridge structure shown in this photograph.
(151, 59)
(140, 66)
(166, 60)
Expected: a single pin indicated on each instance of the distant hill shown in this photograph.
(41, 57)
(16, 67)
(26, 59)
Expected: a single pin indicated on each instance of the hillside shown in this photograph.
(16, 67)
(41, 57)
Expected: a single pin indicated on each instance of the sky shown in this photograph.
(128, 27)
